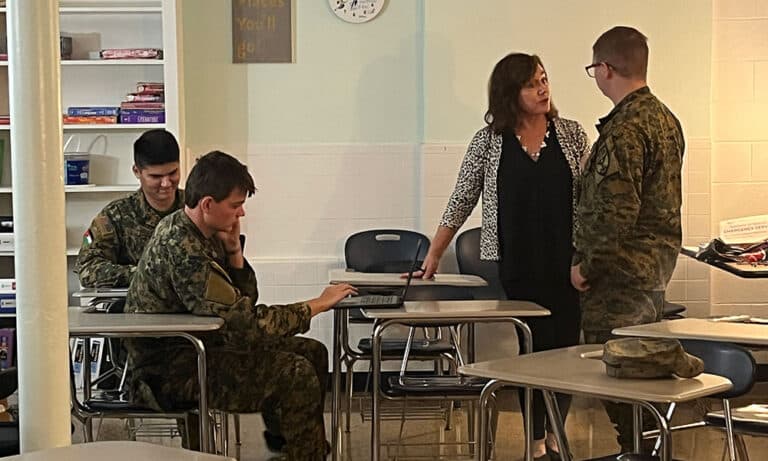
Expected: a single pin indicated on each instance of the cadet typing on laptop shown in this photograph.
(382, 301)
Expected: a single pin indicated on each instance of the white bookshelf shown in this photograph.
(95, 25)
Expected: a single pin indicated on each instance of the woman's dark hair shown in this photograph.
(216, 174)
(509, 76)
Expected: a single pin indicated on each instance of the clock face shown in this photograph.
(356, 11)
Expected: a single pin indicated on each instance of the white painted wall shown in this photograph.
(739, 135)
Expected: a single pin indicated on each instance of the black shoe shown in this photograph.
(275, 442)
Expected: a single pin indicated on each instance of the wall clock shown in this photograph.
(356, 11)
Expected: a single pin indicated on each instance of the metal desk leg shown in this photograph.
(637, 428)
(202, 373)
(482, 437)
(471, 343)
(556, 419)
(665, 453)
(336, 397)
(376, 378)
(528, 392)
(87, 383)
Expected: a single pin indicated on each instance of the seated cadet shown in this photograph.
(113, 243)
(194, 264)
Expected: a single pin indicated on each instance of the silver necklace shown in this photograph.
(534, 155)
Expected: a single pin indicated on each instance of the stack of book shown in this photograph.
(146, 105)
(91, 115)
(7, 296)
(131, 53)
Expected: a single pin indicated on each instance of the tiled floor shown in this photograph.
(588, 430)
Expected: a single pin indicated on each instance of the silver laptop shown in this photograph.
(381, 301)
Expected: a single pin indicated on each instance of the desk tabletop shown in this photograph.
(393, 279)
(458, 309)
(564, 370)
(116, 451)
(689, 328)
(83, 323)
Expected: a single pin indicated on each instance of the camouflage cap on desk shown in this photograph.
(649, 358)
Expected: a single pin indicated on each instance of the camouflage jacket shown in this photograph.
(113, 243)
(630, 197)
(182, 271)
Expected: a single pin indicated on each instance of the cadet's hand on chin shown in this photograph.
(230, 238)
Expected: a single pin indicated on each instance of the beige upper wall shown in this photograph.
(463, 41)
(215, 90)
(419, 71)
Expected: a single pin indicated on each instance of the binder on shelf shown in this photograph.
(7, 296)
(7, 302)
(7, 336)
(6, 241)
(96, 352)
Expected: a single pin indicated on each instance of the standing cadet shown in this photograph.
(113, 243)
(629, 207)
(194, 264)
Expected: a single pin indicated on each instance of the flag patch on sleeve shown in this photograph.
(87, 238)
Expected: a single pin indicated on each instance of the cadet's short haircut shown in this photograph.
(625, 49)
(155, 147)
(216, 174)
(509, 76)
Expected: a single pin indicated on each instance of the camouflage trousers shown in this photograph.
(606, 308)
(285, 380)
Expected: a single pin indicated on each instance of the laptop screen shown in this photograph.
(412, 270)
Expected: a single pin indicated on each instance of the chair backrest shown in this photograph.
(384, 250)
(468, 257)
(728, 360)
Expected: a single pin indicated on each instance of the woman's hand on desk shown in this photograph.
(428, 268)
(330, 296)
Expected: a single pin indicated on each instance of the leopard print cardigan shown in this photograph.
(478, 174)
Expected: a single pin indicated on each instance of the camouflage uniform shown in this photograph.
(629, 209)
(254, 362)
(113, 243)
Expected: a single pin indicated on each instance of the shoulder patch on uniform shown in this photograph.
(219, 288)
(605, 161)
(87, 238)
(102, 227)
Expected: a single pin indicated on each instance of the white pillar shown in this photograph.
(39, 225)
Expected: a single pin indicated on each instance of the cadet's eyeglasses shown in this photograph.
(592, 67)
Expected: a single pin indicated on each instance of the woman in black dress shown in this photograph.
(525, 164)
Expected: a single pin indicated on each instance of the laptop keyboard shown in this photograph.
(373, 300)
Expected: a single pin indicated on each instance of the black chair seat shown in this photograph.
(115, 401)
(356, 316)
(434, 386)
(392, 346)
(751, 420)
(116, 406)
(626, 457)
